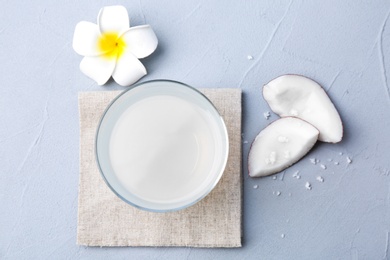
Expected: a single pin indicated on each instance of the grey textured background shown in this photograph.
(344, 45)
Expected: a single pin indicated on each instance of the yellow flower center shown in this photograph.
(111, 45)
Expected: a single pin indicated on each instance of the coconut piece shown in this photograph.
(279, 145)
(298, 96)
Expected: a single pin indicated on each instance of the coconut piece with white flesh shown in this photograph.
(279, 145)
(298, 96)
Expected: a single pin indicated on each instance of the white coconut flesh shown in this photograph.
(279, 145)
(298, 96)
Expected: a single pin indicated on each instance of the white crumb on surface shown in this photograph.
(274, 177)
(330, 159)
(323, 166)
(282, 235)
(277, 193)
(340, 153)
(249, 57)
(349, 160)
(320, 179)
(296, 175)
(267, 115)
(313, 160)
(245, 142)
(336, 163)
(308, 185)
(255, 186)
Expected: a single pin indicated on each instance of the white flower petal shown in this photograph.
(85, 39)
(113, 19)
(98, 68)
(141, 40)
(128, 69)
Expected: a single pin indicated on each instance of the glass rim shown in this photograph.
(218, 176)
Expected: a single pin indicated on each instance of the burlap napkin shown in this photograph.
(105, 220)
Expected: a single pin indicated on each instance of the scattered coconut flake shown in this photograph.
(313, 160)
(323, 166)
(282, 139)
(277, 193)
(272, 157)
(255, 186)
(308, 185)
(250, 57)
(267, 115)
(336, 163)
(274, 177)
(296, 175)
(245, 142)
(320, 179)
(340, 153)
(282, 235)
(349, 160)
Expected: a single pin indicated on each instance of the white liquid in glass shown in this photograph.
(163, 148)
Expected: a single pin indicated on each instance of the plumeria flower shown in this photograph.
(112, 48)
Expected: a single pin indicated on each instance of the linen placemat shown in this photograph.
(105, 220)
